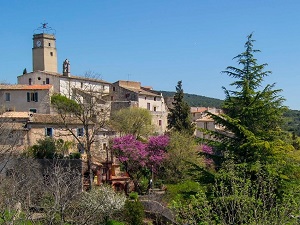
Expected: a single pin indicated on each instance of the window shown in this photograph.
(148, 106)
(127, 95)
(32, 110)
(205, 125)
(111, 98)
(30, 81)
(51, 53)
(104, 146)
(154, 98)
(81, 85)
(80, 132)
(32, 97)
(154, 109)
(80, 147)
(49, 131)
(159, 122)
(47, 81)
(39, 78)
(49, 44)
(145, 98)
(114, 88)
(7, 97)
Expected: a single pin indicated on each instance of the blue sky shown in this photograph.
(158, 42)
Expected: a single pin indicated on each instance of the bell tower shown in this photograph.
(44, 54)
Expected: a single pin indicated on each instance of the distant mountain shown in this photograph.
(197, 100)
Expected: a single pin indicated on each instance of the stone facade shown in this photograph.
(34, 98)
(132, 94)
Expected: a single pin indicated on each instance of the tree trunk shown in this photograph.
(90, 170)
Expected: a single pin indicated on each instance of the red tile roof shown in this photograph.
(25, 87)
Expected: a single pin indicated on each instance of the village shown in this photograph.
(27, 111)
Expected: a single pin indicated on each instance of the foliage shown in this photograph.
(65, 105)
(182, 191)
(113, 222)
(100, 204)
(134, 212)
(139, 158)
(260, 111)
(49, 148)
(292, 121)
(133, 120)
(236, 199)
(24, 71)
(89, 110)
(196, 100)
(182, 153)
(179, 118)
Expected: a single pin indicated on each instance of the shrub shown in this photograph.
(134, 212)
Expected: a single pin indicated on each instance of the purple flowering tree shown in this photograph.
(137, 156)
(207, 152)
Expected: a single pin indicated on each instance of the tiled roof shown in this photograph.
(15, 115)
(70, 77)
(205, 119)
(141, 91)
(52, 119)
(25, 87)
(198, 109)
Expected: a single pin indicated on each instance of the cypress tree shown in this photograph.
(179, 118)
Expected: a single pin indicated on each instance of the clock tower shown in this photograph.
(44, 55)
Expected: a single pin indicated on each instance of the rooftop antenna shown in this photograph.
(44, 28)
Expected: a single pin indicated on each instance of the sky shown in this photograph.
(158, 42)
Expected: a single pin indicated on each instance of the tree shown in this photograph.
(99, 205)
(134, 211)
(139, 158)
(251, 136)
(179, 116)
(49, 148)
(24, 71)
(133, 120)
(89, 109)
(182, 154)
(259, 109)
(236, 199)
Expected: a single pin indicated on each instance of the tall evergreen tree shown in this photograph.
(179, 118)
(259, 109)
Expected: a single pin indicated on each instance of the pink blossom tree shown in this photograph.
(138, 157)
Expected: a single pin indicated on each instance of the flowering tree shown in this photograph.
(138, 157)
(207, 152)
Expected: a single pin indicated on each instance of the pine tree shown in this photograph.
(179, 116)
(259, 109)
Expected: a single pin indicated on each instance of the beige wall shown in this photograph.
(205, 124)
(40, 78)
(44, 57)
(18, 101)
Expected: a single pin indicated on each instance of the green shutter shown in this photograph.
(28, 97)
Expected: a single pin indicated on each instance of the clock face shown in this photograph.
(38, 43)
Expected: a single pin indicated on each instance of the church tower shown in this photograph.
(44, 55)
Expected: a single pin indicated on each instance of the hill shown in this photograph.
(197, 100)
(292, 117)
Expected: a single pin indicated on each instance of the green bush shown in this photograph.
(133, 196)
(134, 212)
(113, 222)
(182, 191)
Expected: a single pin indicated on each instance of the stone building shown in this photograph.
(132, 94)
